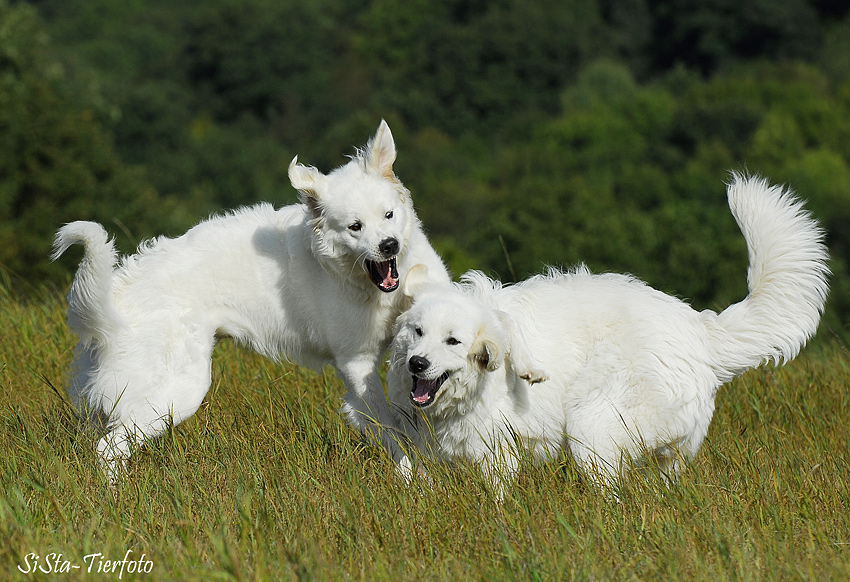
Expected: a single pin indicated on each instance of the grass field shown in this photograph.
(267, 482)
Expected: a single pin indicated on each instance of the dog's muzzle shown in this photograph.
(424, 391)
(385, 273)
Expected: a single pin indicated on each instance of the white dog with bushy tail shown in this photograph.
(618, 368)
(314, 282)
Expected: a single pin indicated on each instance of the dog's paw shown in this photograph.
(533, 376)
(404, 469)
(411, 475)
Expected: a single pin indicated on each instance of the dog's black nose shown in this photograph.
(418, 364)
(389, 247)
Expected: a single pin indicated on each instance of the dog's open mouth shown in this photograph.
(424, 391)
(384, 274)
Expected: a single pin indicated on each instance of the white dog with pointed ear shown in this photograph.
(314, 282)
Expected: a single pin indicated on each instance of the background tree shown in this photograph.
(57, 162)
(531, 132)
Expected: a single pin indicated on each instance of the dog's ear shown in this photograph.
(488, 349)
(416, 279)
(380, 152)
(308, 181)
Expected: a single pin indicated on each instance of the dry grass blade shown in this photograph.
(267, 482)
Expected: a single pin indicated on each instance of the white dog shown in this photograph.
(630, 369)
(313, 282)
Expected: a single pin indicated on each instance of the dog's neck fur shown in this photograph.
(353, 277)
(470, 419)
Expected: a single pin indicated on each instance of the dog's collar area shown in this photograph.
(424, 391)
(384, 274)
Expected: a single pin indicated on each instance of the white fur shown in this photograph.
(630, 369)
(290, 283)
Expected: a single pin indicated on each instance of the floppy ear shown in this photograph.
(380, 152)
(416, 279)
(308, 181)
(520, 355)
(487, 350)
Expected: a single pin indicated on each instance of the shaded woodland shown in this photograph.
(530, 132)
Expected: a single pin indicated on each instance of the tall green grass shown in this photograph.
(266, 482)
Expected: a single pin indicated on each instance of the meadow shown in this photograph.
(266, 482)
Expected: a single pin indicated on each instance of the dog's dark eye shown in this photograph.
(355, 227)
(452, 341)
(418, 331)
(388, 215)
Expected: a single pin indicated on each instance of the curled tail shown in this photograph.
(787, 278)
(91, 311)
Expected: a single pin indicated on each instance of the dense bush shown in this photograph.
(530, 133)
(57, 161)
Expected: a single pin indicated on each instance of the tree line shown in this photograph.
(531, 132)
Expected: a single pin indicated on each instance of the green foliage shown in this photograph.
(706, 35)
(473, 65)
(56, 161)
(266, 482)
(264, 58)
(530, 133)
(630, 177)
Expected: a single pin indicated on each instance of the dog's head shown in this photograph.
(362, 215)
(444, 345)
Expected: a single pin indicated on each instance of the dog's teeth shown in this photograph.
(422, 390)
(384, 274)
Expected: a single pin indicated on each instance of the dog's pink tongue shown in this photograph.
(390, 279)
(421, 390)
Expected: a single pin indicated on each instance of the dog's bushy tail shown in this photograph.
(91, 310)
(787, 278)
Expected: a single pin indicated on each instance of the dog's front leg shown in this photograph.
(521, 356)
(366, 406)
(499, 470)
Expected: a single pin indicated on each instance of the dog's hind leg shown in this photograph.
(670, 460)
(598, 435)
(144, 411)
(115, 448)
(602, 467)
(113, 451)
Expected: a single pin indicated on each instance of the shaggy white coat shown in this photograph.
(623, 369)
(311, 282)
